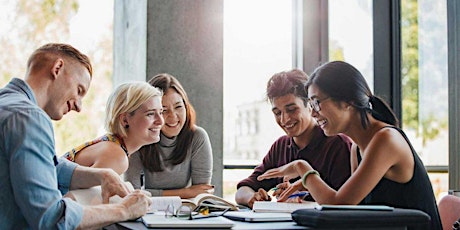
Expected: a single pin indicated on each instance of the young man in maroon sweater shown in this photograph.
(330, 156)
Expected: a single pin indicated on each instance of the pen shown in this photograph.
(299, 194)
(273, 189)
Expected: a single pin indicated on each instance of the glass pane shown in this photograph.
(424, 79)
(424, 69)
(231, 179)
(351, 35)
(25, 27)
(257, 44)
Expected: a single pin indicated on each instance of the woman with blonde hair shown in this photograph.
(133, 119)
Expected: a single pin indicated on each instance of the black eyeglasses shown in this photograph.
(314, 103)
(186, 213)
(456, 225)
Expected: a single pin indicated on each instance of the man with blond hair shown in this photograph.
(33, 180)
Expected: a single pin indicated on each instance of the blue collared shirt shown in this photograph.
(32, 180)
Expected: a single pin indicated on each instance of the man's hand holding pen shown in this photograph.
(280, 189)
(260, 195)
(283, 190)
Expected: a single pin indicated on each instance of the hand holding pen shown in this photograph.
(259, 195)
(279, 189)
(293, 188)
(299, 194)
(296, 197)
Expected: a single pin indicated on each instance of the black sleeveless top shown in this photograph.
(415, 194)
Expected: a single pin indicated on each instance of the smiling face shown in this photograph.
(146, 122)
(333, 117)
(174, 113)
(68, 89)
(292, 115)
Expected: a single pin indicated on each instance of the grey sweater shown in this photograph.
(195, 169)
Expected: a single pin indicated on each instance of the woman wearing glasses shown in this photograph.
(386, 169)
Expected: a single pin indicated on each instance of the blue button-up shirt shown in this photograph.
(32, 180)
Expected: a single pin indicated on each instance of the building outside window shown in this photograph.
(257, 44)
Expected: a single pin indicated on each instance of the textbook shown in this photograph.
(273, 206)
(214, 202)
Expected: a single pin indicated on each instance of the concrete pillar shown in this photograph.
(129, 41)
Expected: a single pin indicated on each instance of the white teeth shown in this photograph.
(321, 122)
(289, 126)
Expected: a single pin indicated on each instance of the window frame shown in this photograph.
(453, 46)
(387, 64)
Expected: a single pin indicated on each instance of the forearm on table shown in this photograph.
(197, 180)
(182, 192)
(98, 216)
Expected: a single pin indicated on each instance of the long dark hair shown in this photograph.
(343, 82)
(150, 154)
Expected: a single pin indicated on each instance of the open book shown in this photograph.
(214, 202)
(270, 206)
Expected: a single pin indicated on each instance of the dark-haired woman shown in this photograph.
(386, 169)
(181, 163)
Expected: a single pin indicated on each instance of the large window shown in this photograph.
(26, 25)
(424, 84)
(350, 35)
(257, 44)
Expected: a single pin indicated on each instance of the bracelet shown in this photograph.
(304, 177)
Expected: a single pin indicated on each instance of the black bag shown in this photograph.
(362, 219)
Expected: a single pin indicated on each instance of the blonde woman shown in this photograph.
(180, 164)
(133, 119)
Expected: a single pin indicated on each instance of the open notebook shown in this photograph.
(160, 221)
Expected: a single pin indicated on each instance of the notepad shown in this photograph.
(270, 206)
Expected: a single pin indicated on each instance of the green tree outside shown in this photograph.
(429, 126)
(34, 23)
